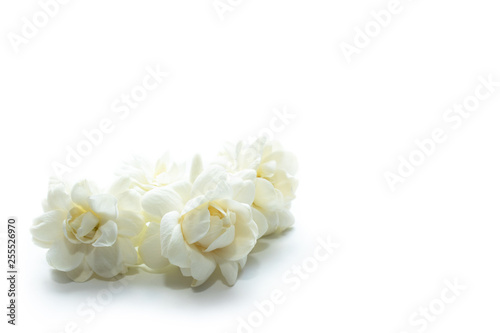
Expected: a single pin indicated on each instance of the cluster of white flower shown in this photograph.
(156, 216)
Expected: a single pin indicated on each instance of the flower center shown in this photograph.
(221, 231)
(81, 226)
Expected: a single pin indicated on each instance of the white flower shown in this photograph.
(275, 184)
(145, 176)
(205, 223)
(89, 231)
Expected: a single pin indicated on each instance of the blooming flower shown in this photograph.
(206, 223)
(209, 220)
(275, 183)
(145, 176)
(88, 231)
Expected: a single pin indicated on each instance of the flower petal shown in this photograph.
(80, 193)
(208, 180)
(229, 270)
(106, 261)
(284, 160)
(261, 222)
(64, 255)
(129, 223)
(49, 226)
(195, 224)
(129, 200)
(246, 232)
(202, 266)
(160, 201)
(223, 240)
(196, 168)
(109, 233)
(88, 222)
(120, 185)
(129, 254)
(285, 184)
(104, 205)
(177, 251)
(267, 169)
(168, 222)
(265, 194)
(286, 219)
(80, 274)
(242, 262)
(272, 221)
(150, 248)
(243, 191)
(58, 198)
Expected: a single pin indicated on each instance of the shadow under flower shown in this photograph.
(172, 276)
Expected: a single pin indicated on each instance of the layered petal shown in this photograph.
(109, 233)
(106, 261)
(104, 205)
(49, 226)
(80, 274)
(150, 248)
(65, 256)
(160, 201)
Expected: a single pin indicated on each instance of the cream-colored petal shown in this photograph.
(196, 168)
(242, 262)
(65, 256)
(168, 222)
(229, 270)
(160, 201)
(177, 251)
(215, 231)
(81, 192)
(265, 194)
(58, 198)
(120, 185)
(272, 221)
(106, 261)
(130, 224)
(80, 274)
(104, 205)
(286, 219)
(129, 254)
(261, 222)
(208, 180)
(243, 191)
(195, 224)
(109, 233)
(223, 240)
(246, 232)
(129, 200)
(267, 169)
(49, 226)
(284, 160)
(88, 222)
(287, 185)
(202, 265)
(150, 248)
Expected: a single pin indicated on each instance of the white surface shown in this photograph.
(353, 120)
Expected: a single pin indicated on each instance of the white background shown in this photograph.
(352, 122)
